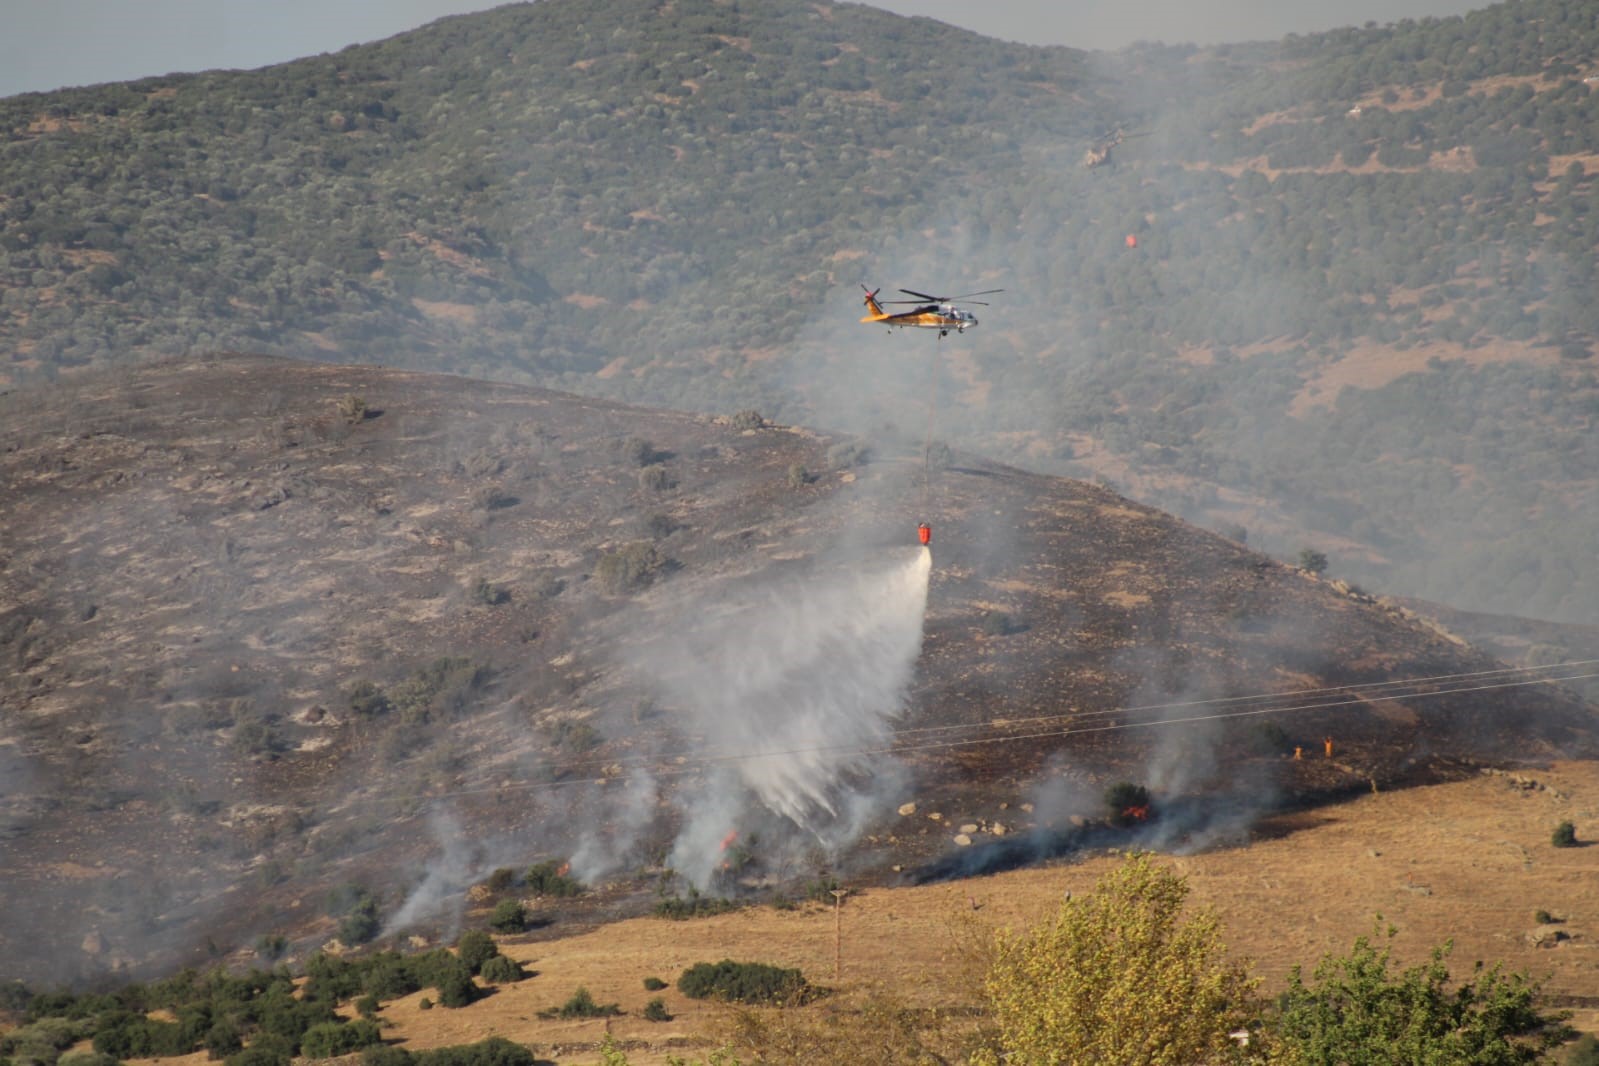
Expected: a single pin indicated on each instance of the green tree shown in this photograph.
(1564, 836)
(1356, 1013)
(1312, 561)
(1118, 976)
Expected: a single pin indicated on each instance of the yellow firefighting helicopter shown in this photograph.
(931, 312)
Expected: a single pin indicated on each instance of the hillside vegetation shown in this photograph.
(1359, 313)
(303, 651)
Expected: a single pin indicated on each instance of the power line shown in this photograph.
(1326, 698)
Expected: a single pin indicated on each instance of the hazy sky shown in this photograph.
(47, 44)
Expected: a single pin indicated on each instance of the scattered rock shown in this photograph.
(1027, 808)
(907, 809)
(998, 829)
(935, 817)
(969, 828)
(1546, 936)
(962, 840)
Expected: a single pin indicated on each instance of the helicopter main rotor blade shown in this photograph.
(922, 296)
(964, 295)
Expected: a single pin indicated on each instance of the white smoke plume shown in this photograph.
(461, 862)
(791, 687)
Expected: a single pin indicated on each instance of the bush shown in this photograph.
(360, 922)
(1565, 836)
(748, 420)
(352, 408)
(653, 984)
(1312, 561)
(694, 907)
(456, 989)
(1124, 800)
(654, 478)
(271, 946)
(501, 970)
(798, 476)
(847, 453)
(495, 1051)
(475, 948)
(639, 452)
(366, 699)
(261, 1053)
(582, 1005)
(1543, 917)
(628, 568)
(331, 1039)
(548, 879)
(509, 917)
(488, 593)
(501, 879)
(743, 982)
(655, 1011)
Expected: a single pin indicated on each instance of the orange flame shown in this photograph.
(727, 841)
(1137, 814)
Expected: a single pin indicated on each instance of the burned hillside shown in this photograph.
(271, 628)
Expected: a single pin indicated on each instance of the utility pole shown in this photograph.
(838, 932)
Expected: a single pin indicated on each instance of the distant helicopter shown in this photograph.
(932, 312)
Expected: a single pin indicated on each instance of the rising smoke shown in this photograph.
(792, 687)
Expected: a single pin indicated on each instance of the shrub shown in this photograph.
(509, 917)
(500, 879)
(389, 975)
(367, 1006)
(488, 593)
(330, 1039)
(654, 478)
(639, 452)
(352, 408)
(630, 567)
(495, 1051)
(653, 984)
(456, 989)
(582, 1005)
(1124, 801)
(261, 1053)
(271, 946)
(655, 1011)
(386, 1055)
(1312, 561)
(1000, 624)
(574, 736)
(91, 1058)
(424, 1004)
(501, 970)
(1543, 917)
(798, 476)
(475, 948)
(1565, 836)
(847, 453)
(361, 924)
(693, 907)
(743, 982)
(366, 699)
(748, 420)
(548, 879)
